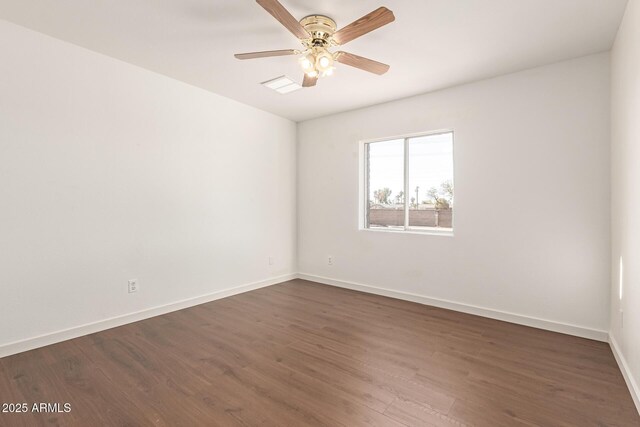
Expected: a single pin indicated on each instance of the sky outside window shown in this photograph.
(430, 165)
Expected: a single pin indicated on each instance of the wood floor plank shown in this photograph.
(414, 414)
(359, 387)
(305, 354)
(323, 399)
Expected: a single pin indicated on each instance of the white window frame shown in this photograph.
(364, 182)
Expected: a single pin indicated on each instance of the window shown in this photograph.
(408, 184)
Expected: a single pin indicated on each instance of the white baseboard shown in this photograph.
(101, 325)
(63, 335)
(626, 372)
(549, 325)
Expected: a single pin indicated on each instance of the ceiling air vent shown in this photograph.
(282, 84)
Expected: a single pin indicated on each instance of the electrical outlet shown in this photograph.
(133, 285)
(270, 260)
(330, 260)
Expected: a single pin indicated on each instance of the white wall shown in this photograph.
(535, 144)
(625, 188)
(110, 172)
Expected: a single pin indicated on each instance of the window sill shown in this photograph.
(430, 232)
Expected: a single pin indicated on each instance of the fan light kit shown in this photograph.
(318, 63)
(317, 33)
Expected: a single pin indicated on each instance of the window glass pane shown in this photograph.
(431, 181)
(385, 204)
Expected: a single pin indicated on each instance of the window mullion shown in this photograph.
(367, 202)
(406, 183)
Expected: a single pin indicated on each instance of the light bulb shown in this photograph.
(328, 72)
(324, 61)
(306, 63)
(312, 73)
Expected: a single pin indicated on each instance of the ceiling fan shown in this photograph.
(317, 33)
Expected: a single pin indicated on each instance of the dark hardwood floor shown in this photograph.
(300, 353)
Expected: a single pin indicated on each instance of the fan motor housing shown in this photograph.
(320, 27)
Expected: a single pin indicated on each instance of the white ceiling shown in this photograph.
(432, 44)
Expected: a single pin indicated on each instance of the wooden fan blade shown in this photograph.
(284, 17)
(309, 81)
(363, 63)
(266, 53)
(366, 24)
